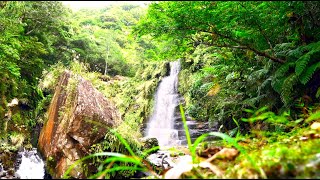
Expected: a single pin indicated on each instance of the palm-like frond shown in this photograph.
(307, 74)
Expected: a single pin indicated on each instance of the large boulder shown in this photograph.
(78, 117)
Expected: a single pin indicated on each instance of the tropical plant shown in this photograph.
(300, 70)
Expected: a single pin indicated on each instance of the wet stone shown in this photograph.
(3, 173)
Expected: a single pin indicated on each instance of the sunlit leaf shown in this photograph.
(313, 116)
(214, 90)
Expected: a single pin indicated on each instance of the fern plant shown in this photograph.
(303, 62)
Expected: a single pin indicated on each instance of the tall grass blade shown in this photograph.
(124, 142)
(196, 143)
(313, 116)
(148, 151)
(235, 121)
(185, 126)
(238, 131)
(120, 159)
(65, 175)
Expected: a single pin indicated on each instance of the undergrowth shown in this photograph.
(273, 153)
(277, 146)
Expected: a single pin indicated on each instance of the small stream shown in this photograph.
(31, 166)
(28, 164)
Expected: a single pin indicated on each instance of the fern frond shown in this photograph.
(206, 86)
(302, 63)
(253, 101)
(211, 69)
(287, 88)
(280, 75)
(281, 72)
(264, 85)
(313, 46)
(295, 53)
(283, 49)
(283, 46)
(307, 74)
(277, 83)
(261, 73)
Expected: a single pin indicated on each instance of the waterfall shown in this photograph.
(161, 123)
(32, 166)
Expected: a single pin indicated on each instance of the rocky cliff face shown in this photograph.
(78, 116)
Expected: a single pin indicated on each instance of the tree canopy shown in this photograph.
(255, 26)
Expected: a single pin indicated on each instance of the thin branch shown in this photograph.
(260, 53)
(29, 32)
(242, 44)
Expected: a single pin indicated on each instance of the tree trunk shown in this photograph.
(106, 67)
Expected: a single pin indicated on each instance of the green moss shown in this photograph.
(67, 110)
(134, 96)
(51, 164)
(16, 118)
(282, 159)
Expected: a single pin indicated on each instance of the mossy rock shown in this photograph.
(149, 143)
(8, 158)
(105, 77)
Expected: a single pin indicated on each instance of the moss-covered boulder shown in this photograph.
(78, 117)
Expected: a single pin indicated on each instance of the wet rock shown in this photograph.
(141, 174)
(10, 174)
(7, 159)
(149, 143)
(208, 152)
(78, 116)
(161, 159)
(11, 171)
(47, 175)
(2, 171)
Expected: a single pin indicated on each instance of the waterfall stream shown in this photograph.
(32, 166)
(161, 123)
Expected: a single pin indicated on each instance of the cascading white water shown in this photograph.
(32, 166)
(161, 123)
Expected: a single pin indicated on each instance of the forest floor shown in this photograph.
(294, 154)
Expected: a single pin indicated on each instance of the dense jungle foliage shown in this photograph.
(250, 66)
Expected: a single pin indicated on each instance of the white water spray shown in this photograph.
(161, 123)
(32, 166)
